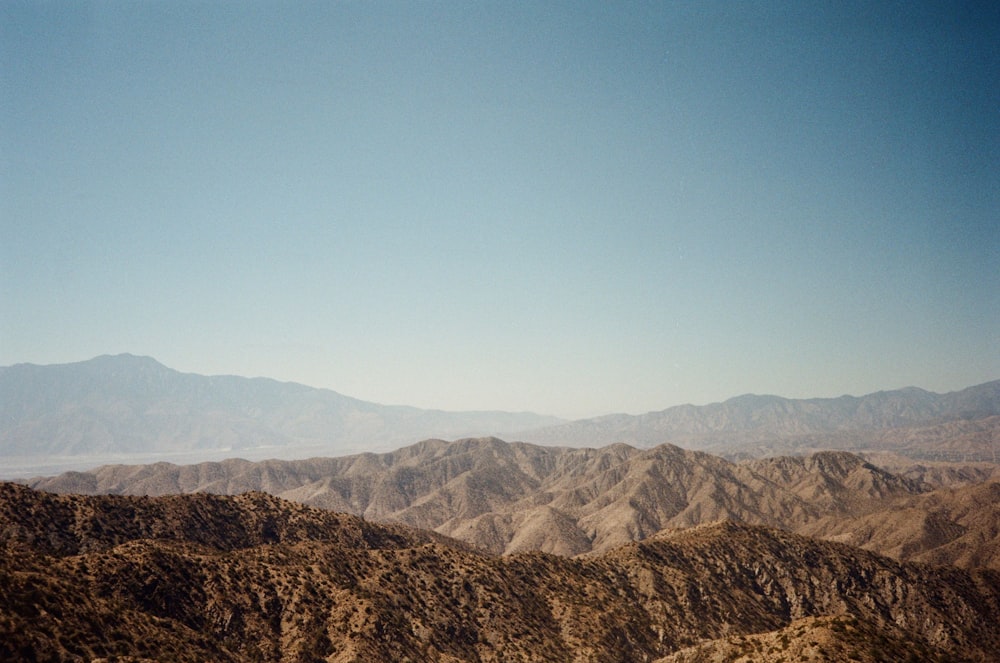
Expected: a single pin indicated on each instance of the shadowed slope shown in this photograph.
(72, 524)
(319, 593)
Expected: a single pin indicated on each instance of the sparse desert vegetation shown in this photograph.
(254, 577)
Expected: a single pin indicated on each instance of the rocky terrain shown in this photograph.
(507, 497)
(948, 526)
(884, 549)
(253, 577)
(836, 638)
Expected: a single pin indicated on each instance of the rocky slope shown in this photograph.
(141, 577)
(73, 524)
(958, 526)
(505, 497)
(836, 638)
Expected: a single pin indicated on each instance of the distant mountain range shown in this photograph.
(962, 425)
(134, 409)
(125, 404)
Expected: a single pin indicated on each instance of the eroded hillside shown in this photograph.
(508, 497)
(138, 577)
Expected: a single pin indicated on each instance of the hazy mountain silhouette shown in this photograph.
(911, 421)
(110, 407)
(134, 405)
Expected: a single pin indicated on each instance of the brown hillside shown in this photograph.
(505, 497)
(948, 526)
(377, 594)
(72, 524)
(838, 638)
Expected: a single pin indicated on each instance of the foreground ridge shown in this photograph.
(253, 577)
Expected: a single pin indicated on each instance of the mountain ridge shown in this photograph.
(114, 406)
(312, 592)
(507, 497)
(125, 404)
(759, 425)
(134, 409)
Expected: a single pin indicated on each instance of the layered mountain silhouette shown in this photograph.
(958, 426)
(823, 529)
(253, 577)
(134, 405)
(508, 497)
(115, 406)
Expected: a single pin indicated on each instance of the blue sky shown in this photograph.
(574, 208)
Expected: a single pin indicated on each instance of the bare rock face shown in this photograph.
(195, 577)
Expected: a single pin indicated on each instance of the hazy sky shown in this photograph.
(574, 208)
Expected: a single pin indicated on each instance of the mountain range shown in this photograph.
(504, 498)
(123, 405)
(962, 425)
(882, 546)
(133, 409)
(257, 578)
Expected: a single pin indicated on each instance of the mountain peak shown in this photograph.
(125, 357)
(126, 361)
(132, 404)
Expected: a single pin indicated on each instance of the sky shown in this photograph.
(573, 208)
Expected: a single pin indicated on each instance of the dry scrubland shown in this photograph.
(257, 578)
(510, 497)
(205, 576)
